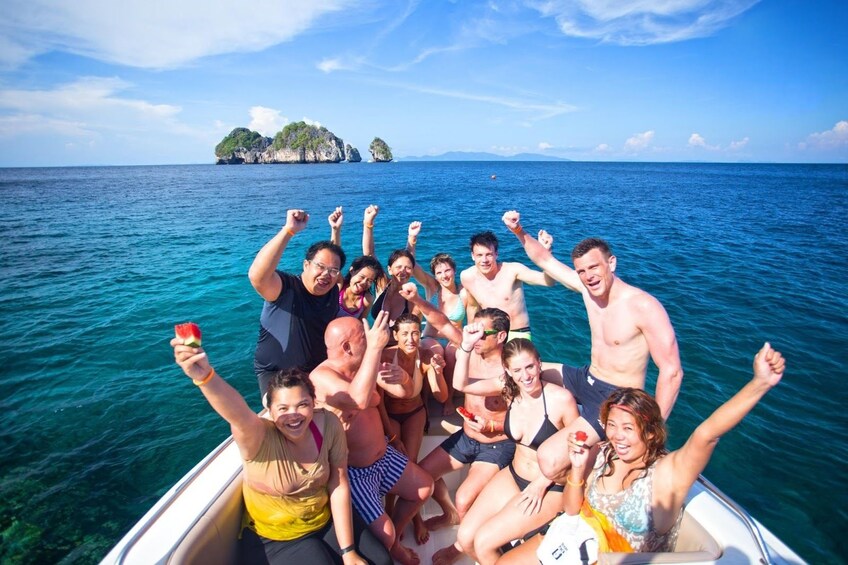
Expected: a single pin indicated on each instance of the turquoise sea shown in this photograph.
(97, 264)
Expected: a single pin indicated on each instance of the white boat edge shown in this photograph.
(183, 526)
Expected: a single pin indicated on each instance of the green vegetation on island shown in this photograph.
(241, 137)
(301, 135)
(380, 151)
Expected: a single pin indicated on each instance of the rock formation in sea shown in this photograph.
(352, 154)
(296, 143)
(380, 151)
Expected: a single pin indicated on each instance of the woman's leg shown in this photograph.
(488, 503)
(412, 434)
(308, 549)
(367, 545)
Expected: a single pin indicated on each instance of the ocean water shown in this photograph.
(97, 264)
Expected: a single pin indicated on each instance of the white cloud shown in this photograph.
(697, 140)
(734, 145)
(88, 106)
(266, 121)
(309, 122)
(329, 65)
(603, 148)
(835, 138)
(152, 33)
(639, 141)
(544, 145)
(641, 22)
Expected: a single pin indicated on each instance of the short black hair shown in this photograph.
(289, 378)
(589, 244)
(486, 239)
(499, 318)
(326, 244)
(398, 253)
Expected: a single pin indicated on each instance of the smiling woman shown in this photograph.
(296, 490)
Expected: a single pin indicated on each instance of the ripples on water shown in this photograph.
(97, 264)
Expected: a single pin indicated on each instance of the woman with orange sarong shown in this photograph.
(634, 493)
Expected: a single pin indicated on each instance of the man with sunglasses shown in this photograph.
(297, 309)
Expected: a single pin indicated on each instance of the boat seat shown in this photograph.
(694, 544)
(213, 539)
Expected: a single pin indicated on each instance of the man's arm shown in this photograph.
(472, 306)
(662, 345)
(541, 256)
(364, 382)
(527, 275)
(263, 272)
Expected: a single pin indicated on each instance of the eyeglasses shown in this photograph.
(324, 269)
(490, 332)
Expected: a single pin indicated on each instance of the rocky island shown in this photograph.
(298, 142)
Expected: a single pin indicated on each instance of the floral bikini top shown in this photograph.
(630, 510)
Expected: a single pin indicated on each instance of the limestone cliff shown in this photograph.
(380, 151)
(296, 143)
(352, 154)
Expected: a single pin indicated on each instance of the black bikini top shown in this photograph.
(546, 430)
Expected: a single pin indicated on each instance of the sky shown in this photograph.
(100, 82)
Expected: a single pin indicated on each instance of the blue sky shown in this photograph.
(97, 82)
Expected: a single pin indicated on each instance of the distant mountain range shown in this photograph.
(481, 156)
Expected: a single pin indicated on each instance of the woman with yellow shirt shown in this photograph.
(296, 489)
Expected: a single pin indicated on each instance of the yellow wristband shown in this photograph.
(206, 379)
(580, 484)
(369, 226)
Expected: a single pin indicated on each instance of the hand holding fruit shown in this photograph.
(187, 352)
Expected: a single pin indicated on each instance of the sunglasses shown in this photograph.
(490, 332)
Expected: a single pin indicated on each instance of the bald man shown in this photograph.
(346, 384)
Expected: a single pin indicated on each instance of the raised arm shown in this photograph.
(434, 366)
(426, 279)
(471, 334)
(434, 316)
(542, 256)
(364, 382)
(368, 229)
(263, 272)
(691, 459)
(335, 219)
(662, 345)
(528, 276)
(248, 429)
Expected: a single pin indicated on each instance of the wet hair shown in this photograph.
(406, 318)
(499, 318)
(398, 253)
(329, 245)
(486, 239)
(649, 422)
(589, 244)
(510, 350)
(440, 258)
(289, 378)
(364, 262)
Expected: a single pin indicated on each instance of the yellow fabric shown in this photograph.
(609, 540)
(285, 500)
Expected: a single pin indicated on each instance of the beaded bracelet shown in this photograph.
(206, 379)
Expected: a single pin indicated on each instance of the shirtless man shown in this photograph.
(346, 384)
(481, 441)
(499, 285)
(628, 326)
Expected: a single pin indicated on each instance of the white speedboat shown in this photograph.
(198, 520)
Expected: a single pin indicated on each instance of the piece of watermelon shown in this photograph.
(580, 435)
(465, 413)
(189, 333)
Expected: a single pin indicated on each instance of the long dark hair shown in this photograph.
(510, 350)
(649, 422)
(364, 262)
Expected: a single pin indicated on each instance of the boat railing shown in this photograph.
(747, 519)
(175, 494)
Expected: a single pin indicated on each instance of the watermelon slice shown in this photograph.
(581, 436)
(465, 413)
(189, 333)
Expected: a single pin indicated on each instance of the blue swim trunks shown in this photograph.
(468, 450)
(369, 484)
(589, 391)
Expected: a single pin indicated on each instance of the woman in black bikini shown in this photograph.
(519, 498)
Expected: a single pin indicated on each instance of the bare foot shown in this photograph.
(422, 534)
(446, 555)
(442, 521)
(404, 555)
